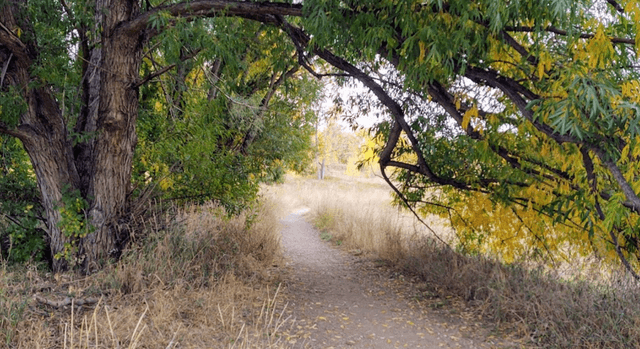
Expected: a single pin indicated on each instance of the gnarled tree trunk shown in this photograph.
(112, 151)
(100, 168)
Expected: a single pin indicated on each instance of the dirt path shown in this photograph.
(342, 301)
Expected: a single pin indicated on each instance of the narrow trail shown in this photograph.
(342, 301)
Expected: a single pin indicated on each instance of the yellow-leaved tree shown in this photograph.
(521, 116)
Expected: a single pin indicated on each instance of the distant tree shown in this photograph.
(337, 145)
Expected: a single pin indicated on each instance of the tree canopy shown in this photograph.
(522, 116)
(518, 120)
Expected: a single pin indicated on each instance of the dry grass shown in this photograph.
(205, 281)
(584, 311)
(356, 214)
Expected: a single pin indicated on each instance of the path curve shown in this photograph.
(342, 301)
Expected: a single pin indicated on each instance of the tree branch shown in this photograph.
(626, 188)
(623, 259)
(212, 8)
(554, 30)
(515, 92)
(164, 70)
(12, 42)
(251, 133)
(14, 132)
(4, 69)
(616, 6)
(533, 60)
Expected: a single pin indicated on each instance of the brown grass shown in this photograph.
(205, 281)
(584, 310)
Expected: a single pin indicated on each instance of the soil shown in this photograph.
(342, 299)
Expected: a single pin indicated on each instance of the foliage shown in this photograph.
(517, 120)
(73, 223)
(21, 234)
(521, 116)
(219, 105)
(220, 125)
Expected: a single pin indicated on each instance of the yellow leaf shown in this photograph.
(466, 118)
(636, 151)
(540, 70)
(625, 153)
(423, 51)
(600, 49)
(166, 183)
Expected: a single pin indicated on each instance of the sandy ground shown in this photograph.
(339, 300)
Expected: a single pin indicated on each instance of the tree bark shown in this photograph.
(114, 144)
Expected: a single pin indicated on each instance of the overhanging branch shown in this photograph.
(212, 8)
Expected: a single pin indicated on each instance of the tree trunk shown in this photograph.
(52, 158)
(41, 128)
(321, 169)
(99, 169)
(111, 163)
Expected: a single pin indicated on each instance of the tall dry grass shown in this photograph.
(546, 310)
(198, 280)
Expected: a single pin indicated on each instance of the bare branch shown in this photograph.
(406, 203)
(163, 70)
(623, 259)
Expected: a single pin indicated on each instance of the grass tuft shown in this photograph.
(203, 280)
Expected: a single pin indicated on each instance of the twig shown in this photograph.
(624, 260)
(163, 70)
(544, 244)
(404, 200)
(66, 301)
(4, 69)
